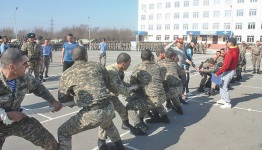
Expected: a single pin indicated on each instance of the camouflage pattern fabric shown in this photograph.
(243, 50)
(256, 53)
(88, 84)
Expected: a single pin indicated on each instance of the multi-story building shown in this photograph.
(211, 21)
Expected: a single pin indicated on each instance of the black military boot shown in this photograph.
(119, 145)
(46, 76)
(182, 101)
(165, 119)
(102, 144)
(168, 103)
(154, 119)
(179, 110)
(201, 88)
(258, 72)
(212, 92)
(125, 125)
(254, 71)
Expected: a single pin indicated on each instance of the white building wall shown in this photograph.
(222, 7)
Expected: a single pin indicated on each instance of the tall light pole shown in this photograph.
(89, 26)
(15, 23)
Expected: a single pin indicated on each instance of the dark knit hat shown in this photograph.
(30, 35)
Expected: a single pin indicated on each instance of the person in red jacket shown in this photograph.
(228, 70)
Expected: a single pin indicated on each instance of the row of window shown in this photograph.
(206, 14)
(186, 3)
(250, 38)
(205, 26)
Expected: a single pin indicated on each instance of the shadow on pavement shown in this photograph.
(245, 98)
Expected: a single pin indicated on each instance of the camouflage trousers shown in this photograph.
(102, 59)
(34, 66)
(174, 94)
(85, 120)
(121, 109)
(142, 104)
(31, 130)
(203, 79)
(45, 65)
(238, 70)
(256, 62)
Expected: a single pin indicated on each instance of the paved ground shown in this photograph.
(204, 124)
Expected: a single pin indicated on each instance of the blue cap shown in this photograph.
(233, 40)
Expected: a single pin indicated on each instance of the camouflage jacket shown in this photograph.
(33, 51)
(117, 77)
(256, 50)
(147, 74)
(87, 83)
(11, 101)
(172, 73)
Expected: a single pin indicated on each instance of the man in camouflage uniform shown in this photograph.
(117, 75)
(256, 55)
(243, 49)
(151, 94)
(172, 79)
(14, 85)
(88, 84)
(34, 53)
(241, 61)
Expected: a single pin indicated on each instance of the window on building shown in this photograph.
(240, 12)
(205, 14)
(227, 13)
(240, 1)
(168, 4)
(185, 15)
(216, 2)
(216, 14)
(167, 37)
(204, 38)
(186, 3)
(158, 27)
(225, 38)
(185, 37)
(158, 37)
(159, 16)
(151, 6)
(239, 38)
(143, 17)
(226, 25)
(151, 17)
(206, 2)
(260, 38)
(176, 26)
(250, 38)
(176, 15)
(195, 26)
(143, 7)
(195, 14)
(196, 3)
(251, 25)
(175, 37)
(167, 26)
(252, 12)
(261, 25)
(159, 5)
(253, 0)
(167, 16)
(176, 3)
(215, 25)
(143, 27)
(185, 26)
(150, 27)
(205, 26)
(228, 2)
(238, 26)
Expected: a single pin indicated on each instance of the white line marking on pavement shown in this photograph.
(251, 87)
(45, 116)
(51, 85)
(59, 117)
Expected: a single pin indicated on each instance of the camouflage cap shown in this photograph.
(30, 35)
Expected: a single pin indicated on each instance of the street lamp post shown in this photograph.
(89, 33)
(15, 22)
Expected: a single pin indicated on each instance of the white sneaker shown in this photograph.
(189, 94)
(221, 101)
(226, 105)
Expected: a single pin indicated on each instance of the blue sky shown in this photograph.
(65, 13)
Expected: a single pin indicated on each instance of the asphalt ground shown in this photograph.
(204, 125)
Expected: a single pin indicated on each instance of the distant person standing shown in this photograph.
(34, 53)
(103, 47)
(4, 44)
(256, 54)
(47, 57)
(243, 49)
(66, 58)
(228, 70)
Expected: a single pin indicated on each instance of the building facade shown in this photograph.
(211, 21)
